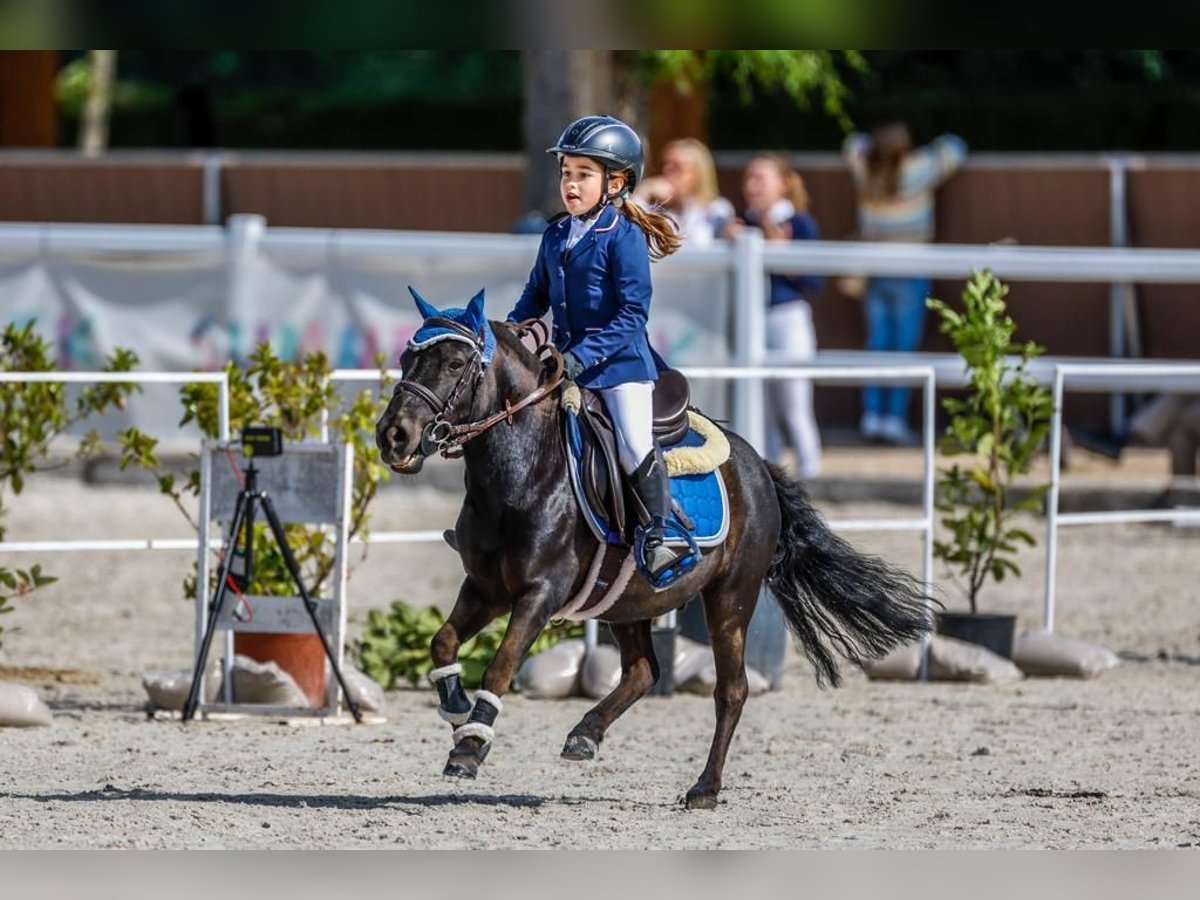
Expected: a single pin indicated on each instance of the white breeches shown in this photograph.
(631, 406)
(790, 328)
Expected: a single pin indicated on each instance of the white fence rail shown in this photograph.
(64, 546)
(922, 375)
(1104, 378)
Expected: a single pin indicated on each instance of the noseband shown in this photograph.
(445, 437)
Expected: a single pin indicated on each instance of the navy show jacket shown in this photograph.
(598, 294)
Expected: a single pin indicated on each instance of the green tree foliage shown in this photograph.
(32, 416)
(800, 75)
(999, 426)
(295, 397)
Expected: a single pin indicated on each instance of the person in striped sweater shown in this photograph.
(895, 184)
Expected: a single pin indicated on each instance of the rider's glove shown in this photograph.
(572, 367)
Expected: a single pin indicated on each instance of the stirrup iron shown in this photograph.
(685, 558)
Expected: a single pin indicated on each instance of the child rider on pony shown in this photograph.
(593, 274)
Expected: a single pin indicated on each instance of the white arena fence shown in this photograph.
(719, 292)
(922, 375)
(1104, 378)
(187, 298)
(138, 378)
(1095, 377)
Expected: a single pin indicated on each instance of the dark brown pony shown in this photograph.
(526, 550)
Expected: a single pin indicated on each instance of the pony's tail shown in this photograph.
(835, 598)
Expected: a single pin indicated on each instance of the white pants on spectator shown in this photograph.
(790, 329)
(631, 406)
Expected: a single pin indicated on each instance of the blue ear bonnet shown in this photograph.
(471, 317)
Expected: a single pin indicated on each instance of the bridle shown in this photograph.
(441, 435)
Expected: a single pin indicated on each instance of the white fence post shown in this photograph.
(750, 338)
(1120, 293)
(243, 236)
(929, 440)
(211, 187)
(1056, 426)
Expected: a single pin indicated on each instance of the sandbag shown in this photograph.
(168, 688)
(902, 664)
(554, 673)
(601, 672)
(265, 684)
(704, 682)
(21, 707)
(363, 689)
(690, 658)
(953, 660)
(1045, 653)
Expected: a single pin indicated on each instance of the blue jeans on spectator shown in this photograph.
(895, 310)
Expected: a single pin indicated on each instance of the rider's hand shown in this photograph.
(572, 367)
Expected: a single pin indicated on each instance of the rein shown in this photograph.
(448, 438)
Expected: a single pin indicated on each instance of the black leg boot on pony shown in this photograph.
(661, 564)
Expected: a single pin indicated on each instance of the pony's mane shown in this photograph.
(506, 338)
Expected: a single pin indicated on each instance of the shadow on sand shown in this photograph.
(308, 801)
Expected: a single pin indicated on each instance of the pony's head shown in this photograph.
(443, 363)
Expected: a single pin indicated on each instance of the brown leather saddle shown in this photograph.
(601, 465)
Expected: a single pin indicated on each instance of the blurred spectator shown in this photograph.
(895, 185)
(687, 191)
(777, 203)
(1171, 421)
(533, 222)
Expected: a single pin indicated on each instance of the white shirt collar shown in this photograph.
(579, 227)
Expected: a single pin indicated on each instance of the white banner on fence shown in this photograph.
(184, 311)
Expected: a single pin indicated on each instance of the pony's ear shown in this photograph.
(475, 316)
(427, 309)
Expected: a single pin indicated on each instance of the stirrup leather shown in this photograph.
(685, 558)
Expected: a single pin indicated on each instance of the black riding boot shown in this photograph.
(653, 487)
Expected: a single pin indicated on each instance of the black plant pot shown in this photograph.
(995, 632)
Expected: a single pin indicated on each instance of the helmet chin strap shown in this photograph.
(605, 198)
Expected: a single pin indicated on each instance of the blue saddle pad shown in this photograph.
(702, 497)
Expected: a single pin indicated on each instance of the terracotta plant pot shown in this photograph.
(300, 655)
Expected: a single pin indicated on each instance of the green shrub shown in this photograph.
(32, 415)
(395, 645)
(999, 425)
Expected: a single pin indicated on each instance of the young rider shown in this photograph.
(593, 274)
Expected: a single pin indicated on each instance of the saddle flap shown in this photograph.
(602, 474)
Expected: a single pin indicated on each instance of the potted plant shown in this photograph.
(994, 432)
(294, 396)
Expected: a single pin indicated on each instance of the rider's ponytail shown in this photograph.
(661, 234)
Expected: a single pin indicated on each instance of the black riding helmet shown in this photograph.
(611, 143)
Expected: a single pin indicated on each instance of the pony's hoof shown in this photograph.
(580, 747)
(700, 800)
(466, 758)
(461, 767)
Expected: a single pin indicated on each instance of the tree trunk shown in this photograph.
(674, 114)
(28, 109)
(93, 133)
(560, 86)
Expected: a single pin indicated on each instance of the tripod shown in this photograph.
(243, 523)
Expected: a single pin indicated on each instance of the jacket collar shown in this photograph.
(605, 222)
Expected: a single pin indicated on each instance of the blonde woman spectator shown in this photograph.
(895, 184)
(687, 191)
(777, 203)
